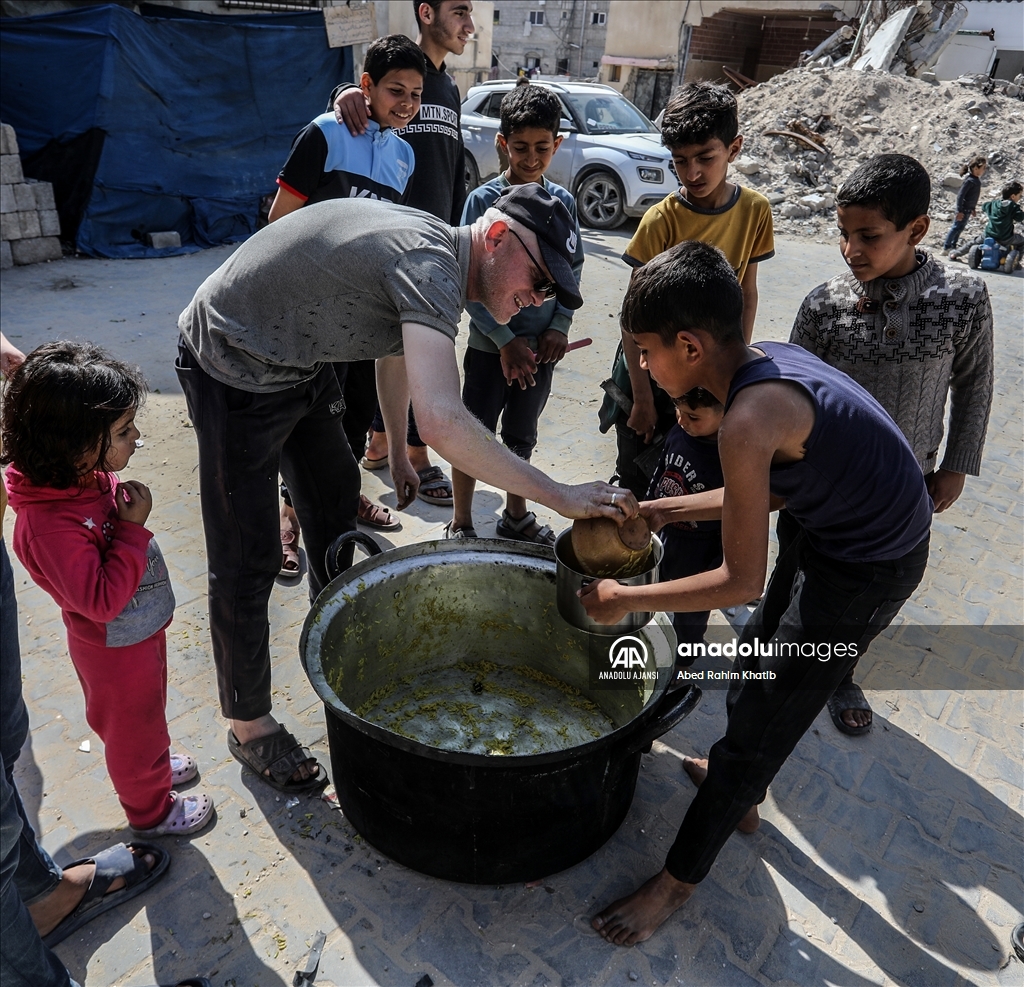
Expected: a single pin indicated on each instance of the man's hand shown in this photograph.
(352, 109)
(517, 363)
(597, 500)
(404, 477)
(10, 356)
(959, 217)
(601, 601)
(134, 501)
(551, 346)
(644, 416)
(945, 487)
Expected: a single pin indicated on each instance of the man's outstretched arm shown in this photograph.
(445, 425)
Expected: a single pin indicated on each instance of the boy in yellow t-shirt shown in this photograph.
(701, 129)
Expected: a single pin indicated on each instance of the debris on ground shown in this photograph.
(852, 115)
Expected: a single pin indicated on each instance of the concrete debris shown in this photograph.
(747, 166)
(29, 225)
(908, 41)
(852, 116)
(881, 49)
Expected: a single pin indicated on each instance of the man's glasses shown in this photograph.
(544, 286)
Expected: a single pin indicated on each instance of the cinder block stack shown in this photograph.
(29, 226)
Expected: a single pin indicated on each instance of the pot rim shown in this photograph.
(479, 546)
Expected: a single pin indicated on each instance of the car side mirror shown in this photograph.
(567, 125)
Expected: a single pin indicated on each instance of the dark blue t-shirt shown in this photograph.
(858, 493)
(689, 465)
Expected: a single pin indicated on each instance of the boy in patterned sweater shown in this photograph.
(910, 331)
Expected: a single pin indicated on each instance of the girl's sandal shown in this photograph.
(189, 813)
(183, 768)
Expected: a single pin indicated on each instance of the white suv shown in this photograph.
(611, 159)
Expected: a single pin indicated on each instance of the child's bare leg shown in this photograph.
(697, 769)
(419, 456)
(463, 488)
(638, 916)
(377, 447)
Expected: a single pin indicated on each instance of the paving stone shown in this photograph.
(995, 763)
(898, 956)
(909, 848)
(931, 811)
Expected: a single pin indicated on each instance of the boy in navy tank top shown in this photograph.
(690, 465)
(796, 434)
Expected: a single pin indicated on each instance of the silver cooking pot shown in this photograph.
(571, 578)
(414, 652)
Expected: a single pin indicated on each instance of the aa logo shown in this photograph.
(628, 652)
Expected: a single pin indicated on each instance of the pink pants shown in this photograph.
(125, 703)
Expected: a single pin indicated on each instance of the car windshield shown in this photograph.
(609, 114)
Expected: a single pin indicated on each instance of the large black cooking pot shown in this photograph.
(490, 817)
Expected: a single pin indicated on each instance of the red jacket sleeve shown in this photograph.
(83, 580)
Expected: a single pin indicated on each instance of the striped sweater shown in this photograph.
(909, 341)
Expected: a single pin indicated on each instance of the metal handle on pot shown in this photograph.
(363, 540)
(674, 708)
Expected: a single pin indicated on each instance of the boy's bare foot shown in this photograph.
(856, 717)
(697, 769)
(638, 916)
(246, 730)
(49, 912)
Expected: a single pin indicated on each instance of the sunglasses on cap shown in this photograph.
(544, 286)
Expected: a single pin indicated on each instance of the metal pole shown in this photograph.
(583, 28)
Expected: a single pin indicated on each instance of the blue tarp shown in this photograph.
(186, 121)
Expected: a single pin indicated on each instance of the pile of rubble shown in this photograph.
(29, 226)
(806, 129)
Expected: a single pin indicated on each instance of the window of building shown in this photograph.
(595, 65)
(536, 17)
(562, 66)
(497, 16)
(599, 17)
(614, 73)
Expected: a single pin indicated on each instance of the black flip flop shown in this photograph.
(112, 863)
(281, 754)
(848, 696)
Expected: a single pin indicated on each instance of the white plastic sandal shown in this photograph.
(188, 814)
(183, 768)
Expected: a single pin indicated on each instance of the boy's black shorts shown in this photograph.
(487, 395)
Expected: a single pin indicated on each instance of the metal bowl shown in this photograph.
(570, 578)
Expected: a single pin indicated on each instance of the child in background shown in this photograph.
(508, 368)
(328, 162)
(701, 129)
(911, 332)
(68, 428)
(966, 201)
(689, 465)
(1002, 214)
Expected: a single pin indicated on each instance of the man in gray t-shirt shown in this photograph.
(339, 281)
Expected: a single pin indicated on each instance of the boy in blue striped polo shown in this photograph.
(328, 162)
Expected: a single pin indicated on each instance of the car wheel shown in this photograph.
(472, 173)
(600, 201)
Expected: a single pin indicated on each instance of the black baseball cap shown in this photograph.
(538, 210)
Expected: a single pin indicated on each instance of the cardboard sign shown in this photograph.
(350, 25)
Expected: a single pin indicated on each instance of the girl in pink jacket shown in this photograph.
(68, 428)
